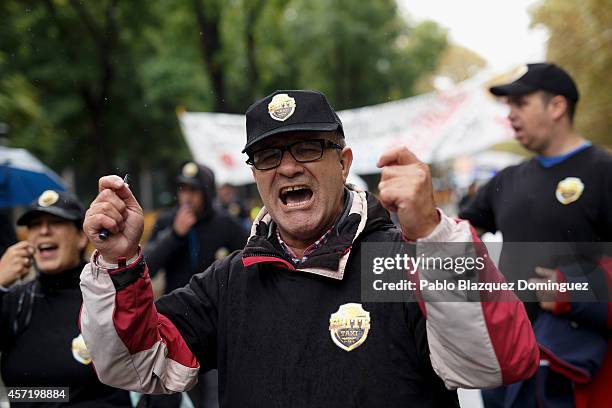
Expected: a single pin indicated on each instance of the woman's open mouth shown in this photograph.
(47, 250)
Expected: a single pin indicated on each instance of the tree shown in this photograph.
(358, 55)
(581, 42)
(456, 64)
(78, 63)
(94, 86)
(459, 63)
(208, 18)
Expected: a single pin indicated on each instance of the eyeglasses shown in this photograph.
(304, 151)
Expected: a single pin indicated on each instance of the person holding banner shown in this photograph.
(283, 320)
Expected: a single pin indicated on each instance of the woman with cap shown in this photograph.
(40, 340)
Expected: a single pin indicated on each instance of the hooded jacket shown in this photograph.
(265, 324)
(212, 237)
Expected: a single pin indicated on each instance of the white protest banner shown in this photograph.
(436, 126)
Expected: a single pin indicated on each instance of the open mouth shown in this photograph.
(294, 196)
(47, 250)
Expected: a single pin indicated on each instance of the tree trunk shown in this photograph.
(253, 7)
(210, 46)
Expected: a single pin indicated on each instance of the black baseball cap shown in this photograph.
(289, 111)
(59, 203)
(196, 175)
(541, 77)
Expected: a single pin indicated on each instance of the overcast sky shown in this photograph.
(498, 30)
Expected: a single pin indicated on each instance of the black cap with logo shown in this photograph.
(196, 175)
(59, 203)
(289, 111)
(540, 77)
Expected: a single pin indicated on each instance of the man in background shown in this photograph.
(187, 239)
(229, 201)
(563, 194)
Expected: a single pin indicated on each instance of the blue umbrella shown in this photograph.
(23, 177)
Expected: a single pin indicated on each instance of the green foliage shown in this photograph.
(356, 55)
(94, 85)
(81, 65)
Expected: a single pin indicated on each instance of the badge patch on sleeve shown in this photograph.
(221, 253)
(349, 326)
(79, 350)
(569, 190)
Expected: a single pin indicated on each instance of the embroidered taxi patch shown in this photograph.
(569, 190)
(349, 326)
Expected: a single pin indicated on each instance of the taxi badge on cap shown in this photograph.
(190, 169)
(349, 326)
(569, 190)
(281, 107)
(48, 198)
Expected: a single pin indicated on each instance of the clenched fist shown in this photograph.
(405, 187)
(15, 263)
(115, 209)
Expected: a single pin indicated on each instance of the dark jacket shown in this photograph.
(269, 327)
(211, 238)
(40, 342)
(298, 364)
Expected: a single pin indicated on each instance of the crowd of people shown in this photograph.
(269, 312)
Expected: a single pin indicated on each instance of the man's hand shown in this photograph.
(184, 220)
(15, 263)
(115, 209)
(547, 298)
(405, 187)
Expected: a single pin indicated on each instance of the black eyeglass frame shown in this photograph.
(324, 143)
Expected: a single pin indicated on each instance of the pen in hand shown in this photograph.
(104, 233)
